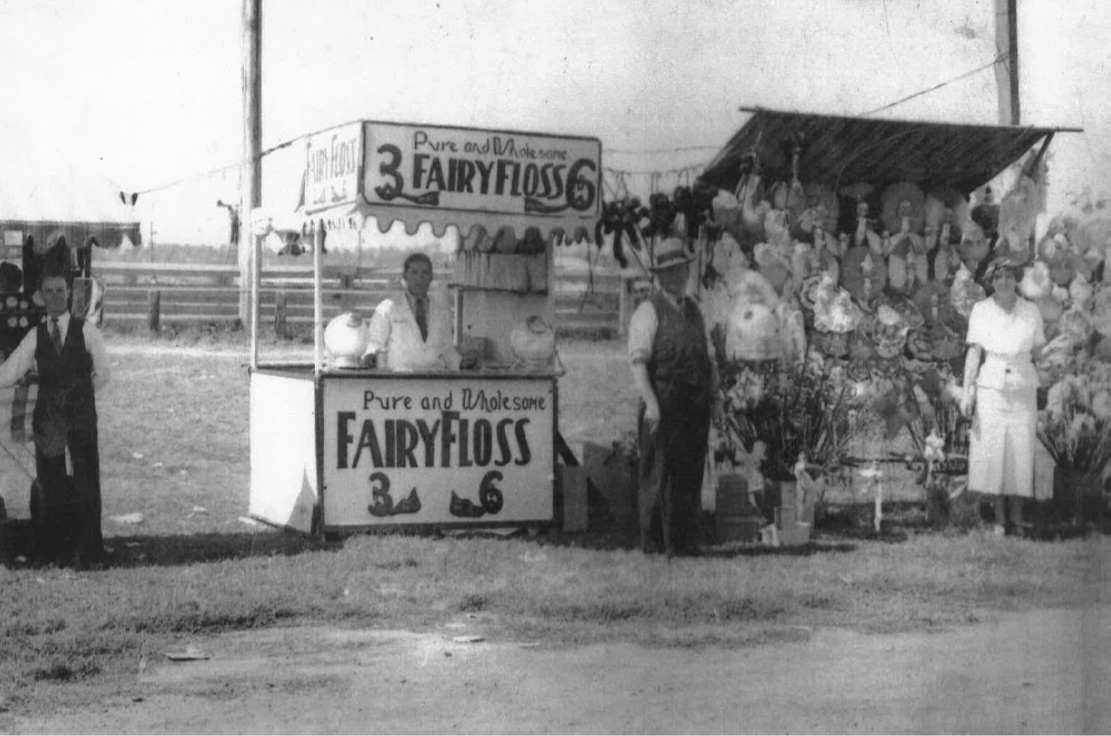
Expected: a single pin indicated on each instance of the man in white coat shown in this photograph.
(412, 332)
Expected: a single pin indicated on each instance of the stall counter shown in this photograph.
(357, 450)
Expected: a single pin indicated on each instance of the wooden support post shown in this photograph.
(251, 183)
(624, 305)
(1007, 71)
(281, 315)
(346, 289)
(154, 309)
(318, 297)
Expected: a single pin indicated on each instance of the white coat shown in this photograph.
(395, 337)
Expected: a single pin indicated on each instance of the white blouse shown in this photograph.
(1007, 339)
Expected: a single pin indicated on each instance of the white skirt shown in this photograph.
(1003, 442)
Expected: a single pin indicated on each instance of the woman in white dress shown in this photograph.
(1006, 333)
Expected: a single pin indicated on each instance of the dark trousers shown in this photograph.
(66, 516)
(672, 461)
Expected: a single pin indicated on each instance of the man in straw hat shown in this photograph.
(675, 377)
(1005, 335)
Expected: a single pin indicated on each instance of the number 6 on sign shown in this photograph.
(490, 499)
(489, 495)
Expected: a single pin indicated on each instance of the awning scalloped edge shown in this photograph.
(477, 230)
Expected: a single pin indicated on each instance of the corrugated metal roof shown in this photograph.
(844, 150)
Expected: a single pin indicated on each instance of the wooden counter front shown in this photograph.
(356, 450)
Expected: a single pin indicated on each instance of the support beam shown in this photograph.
(251, 174)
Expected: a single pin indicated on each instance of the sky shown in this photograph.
(148, 91)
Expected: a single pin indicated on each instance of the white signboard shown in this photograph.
(455, 450)
(332, 167)
(482, 171)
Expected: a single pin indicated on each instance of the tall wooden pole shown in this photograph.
(251, 181)
(1006, 72)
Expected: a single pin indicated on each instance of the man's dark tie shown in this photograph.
(422, 317)
(56, 334)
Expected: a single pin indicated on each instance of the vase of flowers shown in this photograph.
(1075, 428)
(795, 409)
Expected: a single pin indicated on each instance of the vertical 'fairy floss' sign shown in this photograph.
(333, 164)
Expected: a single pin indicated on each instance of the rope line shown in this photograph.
(218, 169)
(998, 59)
(680, 149)
(623, 151)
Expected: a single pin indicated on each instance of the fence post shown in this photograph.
(280, 315)
(346, 297)
(624, 305)
(154, 309)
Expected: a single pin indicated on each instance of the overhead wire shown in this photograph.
(688, 170)
(998, 59)
(217, 169)
(285, 144)
(678, 149)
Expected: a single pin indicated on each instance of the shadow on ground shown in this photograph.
(173, 550)
(837, 530)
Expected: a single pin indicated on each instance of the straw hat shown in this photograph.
(671, 252)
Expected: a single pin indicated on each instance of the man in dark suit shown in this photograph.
(69, 355)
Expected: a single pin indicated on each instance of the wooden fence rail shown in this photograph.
(156, 294)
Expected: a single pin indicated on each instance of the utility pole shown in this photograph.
(251, 175)
(1006, 72)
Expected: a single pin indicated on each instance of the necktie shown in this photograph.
(422, 317)
(55, 334)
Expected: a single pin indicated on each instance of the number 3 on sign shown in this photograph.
(383, 504)
(390, 169)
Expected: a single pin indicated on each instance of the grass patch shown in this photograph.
(174, 444)
(66, 671)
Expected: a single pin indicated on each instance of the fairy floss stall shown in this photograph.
(339, 447)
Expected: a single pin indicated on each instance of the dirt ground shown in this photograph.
(1046, 671)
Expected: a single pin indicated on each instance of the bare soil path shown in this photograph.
(1046, 671)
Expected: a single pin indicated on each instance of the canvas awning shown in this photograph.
(839, 151)
(481, 182)
(43, 192)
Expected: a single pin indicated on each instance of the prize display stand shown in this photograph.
(874, 235)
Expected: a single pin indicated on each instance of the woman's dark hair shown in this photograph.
(989, 278)
(1016, 270)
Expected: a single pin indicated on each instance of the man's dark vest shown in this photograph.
(679, 366)
(65, 403)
